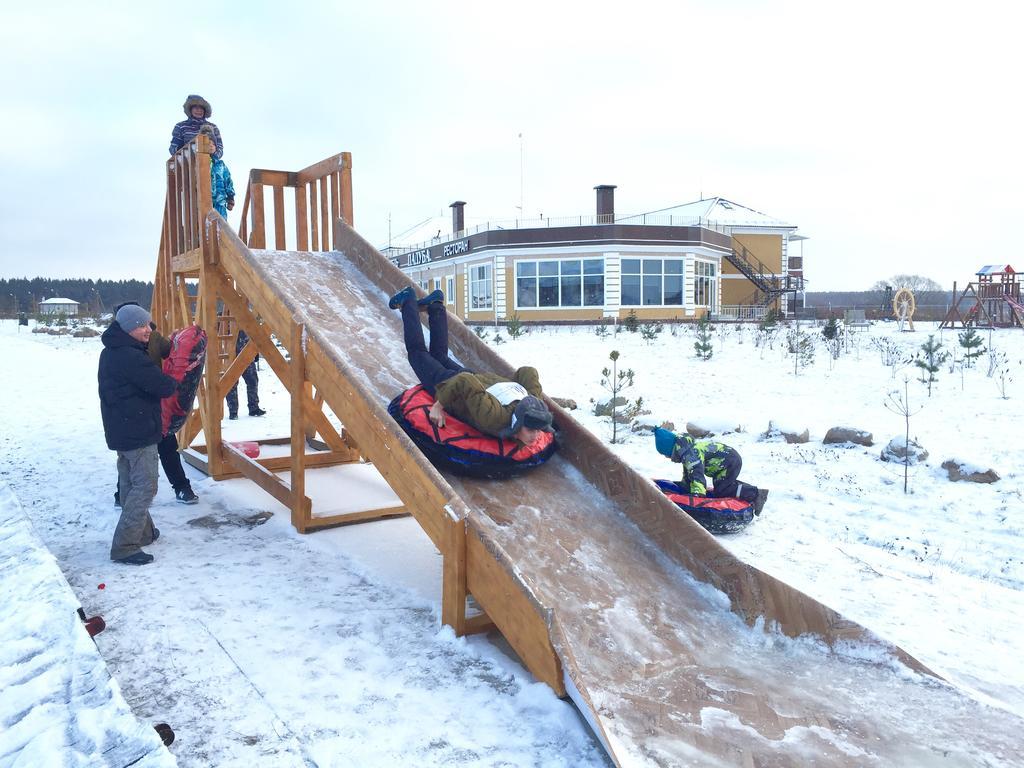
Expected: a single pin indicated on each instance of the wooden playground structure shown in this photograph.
(314, 306)
(992, 302)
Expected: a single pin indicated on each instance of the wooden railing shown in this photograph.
(189, 201)
(320, 194)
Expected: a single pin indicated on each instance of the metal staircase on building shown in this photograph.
(770, 286)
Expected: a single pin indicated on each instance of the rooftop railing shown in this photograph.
(641, 219)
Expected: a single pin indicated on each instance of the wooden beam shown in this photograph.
(453, 578)
(296, 386)
(280, 489)
(187, 262)
(230, 377)
(258, 234)
(346, 518)
(301, 216)
(279, 238)
(346, 189)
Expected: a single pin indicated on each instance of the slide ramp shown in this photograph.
(660, 631)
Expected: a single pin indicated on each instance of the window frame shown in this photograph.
(475, 283)
(643, 278)
(558, 281)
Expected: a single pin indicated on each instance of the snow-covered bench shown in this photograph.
(58, 703)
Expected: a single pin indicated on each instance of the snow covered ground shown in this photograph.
(261, 646)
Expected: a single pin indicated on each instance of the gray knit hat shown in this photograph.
(532, 413)
(132, 316)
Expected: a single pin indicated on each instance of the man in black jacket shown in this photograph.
(131, 386)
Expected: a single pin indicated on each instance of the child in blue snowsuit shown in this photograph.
(708, 458)
(220, 179)
(197, 110)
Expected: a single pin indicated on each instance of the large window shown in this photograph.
(704, 284)
(481, 291)
(652, 282)
(560, 283)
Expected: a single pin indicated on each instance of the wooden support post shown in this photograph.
(206, 314)
(301, 219)
(279, 239)
(346, 188)
(258, 235)
(300, 516)
(453, 586)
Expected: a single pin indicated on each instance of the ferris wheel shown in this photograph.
(903, 307)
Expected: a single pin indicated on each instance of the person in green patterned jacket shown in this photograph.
(493, 404)
(702, 459)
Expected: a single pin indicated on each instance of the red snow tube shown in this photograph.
(717, 515)
(184, 365)
(462, 449)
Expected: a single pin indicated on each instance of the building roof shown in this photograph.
(723, 212)
(59, 301)
(996, 269)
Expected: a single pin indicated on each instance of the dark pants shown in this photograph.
(170, 460)
(730, 486)
(252, 395)
(434, 365)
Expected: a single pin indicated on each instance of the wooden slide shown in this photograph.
(676, 652)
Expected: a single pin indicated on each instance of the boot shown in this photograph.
(430, 298)
(186, 495)
(257, 411)
(762, 497)
(404, 295)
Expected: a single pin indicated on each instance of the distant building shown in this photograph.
(710, 257)
(58, 307)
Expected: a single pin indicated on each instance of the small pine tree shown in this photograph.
(601, 329)
(481, 332)
(929, 360)
(650, 331)
(831, 329)
(801, 346)
(972, 345)
(615, 381)
(632, 322)
(703, 346)
(899, 403)
(514, 326)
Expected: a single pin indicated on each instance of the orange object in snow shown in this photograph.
(249, 447)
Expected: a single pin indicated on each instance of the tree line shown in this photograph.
(94, 296)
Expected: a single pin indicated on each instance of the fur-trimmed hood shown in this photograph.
(195, 100)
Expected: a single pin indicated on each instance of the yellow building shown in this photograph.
(709, 257)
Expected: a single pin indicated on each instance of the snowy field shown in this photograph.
(264, 647)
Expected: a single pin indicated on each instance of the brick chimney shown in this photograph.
(605, 203)
(458, 217)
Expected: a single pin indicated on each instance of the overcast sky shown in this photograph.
(889, 132)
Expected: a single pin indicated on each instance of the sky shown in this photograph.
(888, 132)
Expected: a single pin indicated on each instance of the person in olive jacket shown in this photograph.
(131, 386)
(491, 403)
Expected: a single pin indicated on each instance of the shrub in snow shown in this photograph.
(848, 435)
(904, 451)
(962, 470)
(801, 346)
